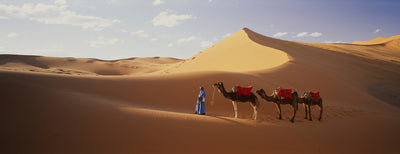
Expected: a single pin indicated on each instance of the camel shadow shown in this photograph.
(225, 119)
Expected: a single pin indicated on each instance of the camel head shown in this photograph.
(219, 85)
(306, 95)
(260, 92)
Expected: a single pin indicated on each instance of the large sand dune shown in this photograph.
(236, 53)
(146, 105)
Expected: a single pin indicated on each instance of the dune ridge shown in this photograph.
(378, 40)
(236, 53)
(384, 49)
(84, 66)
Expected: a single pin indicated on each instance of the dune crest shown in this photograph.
(384, 49)
(83, 66)
(378, 40)
(236, 53)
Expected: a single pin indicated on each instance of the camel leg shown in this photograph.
(305, 108)
(320, 111)
(278, 106)
(255, 112)
(294, 112)
(235, 108)
(309, 111)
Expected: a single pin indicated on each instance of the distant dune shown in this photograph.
(84, 66)
(380, 49)
(146, 105)
(378, 40)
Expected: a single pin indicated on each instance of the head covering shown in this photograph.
(202, 92)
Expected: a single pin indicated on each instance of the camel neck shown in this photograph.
(224, 92)
(268, 97)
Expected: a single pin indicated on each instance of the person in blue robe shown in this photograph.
(200, 107)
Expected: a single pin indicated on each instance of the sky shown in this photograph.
(117, 29)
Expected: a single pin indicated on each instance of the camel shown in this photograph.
(276, 99)
(234, 97)
(308, 102)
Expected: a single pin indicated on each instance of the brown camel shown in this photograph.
(239, 98)
(308, 102)
(278, 101)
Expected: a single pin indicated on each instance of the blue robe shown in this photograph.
(200, 107)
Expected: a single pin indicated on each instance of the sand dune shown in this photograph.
(84, 66)
(378, 40)
(146, 105)
(380, 49)
(236, 53)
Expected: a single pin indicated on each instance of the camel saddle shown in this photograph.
(285, 93)
(315, 95)
(246, 91)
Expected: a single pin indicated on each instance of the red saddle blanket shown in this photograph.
(285, 93)
(315, 95)
(244, 90)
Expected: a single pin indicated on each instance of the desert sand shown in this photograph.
(146, 105)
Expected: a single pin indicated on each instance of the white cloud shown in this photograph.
(12, 35)
(157, 2)
(315, 34)
(144, 35)
(137, 32)
(170, 45)
(184, 40)
(377, 30)
(60, 2)
(280, 34)
(305, 34)
(123, 30)
(154, 39)
(206, 44)
(302, 34)
(335, 42)
(112, 1)
(55, 14)
(163, 19)
(101, 41)
(209, 1)
(140, 33)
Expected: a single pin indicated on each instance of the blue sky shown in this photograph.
(114, 29)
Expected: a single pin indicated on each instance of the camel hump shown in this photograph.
(244, 90)
(285, 93)
(315, 95)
